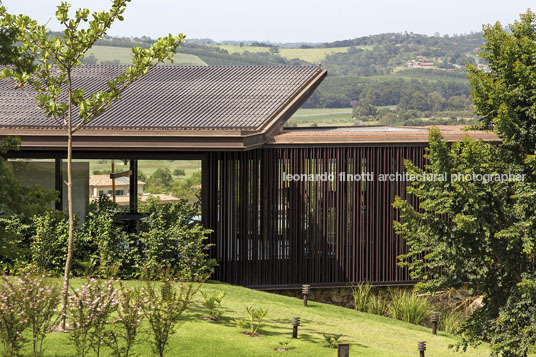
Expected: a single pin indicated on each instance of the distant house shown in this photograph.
(100, 185)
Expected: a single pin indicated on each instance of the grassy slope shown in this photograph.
(123, 54)
(323, 117)
(368, 335)
(312, 55)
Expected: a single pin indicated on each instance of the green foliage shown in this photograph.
(382, 53)
(179, 172)
(27, 301)
(13, 321)
(451, 321)
(49, 242)
(14, 249)
(407, 306)
(504, 96)
(160, 181)
(188, 189)
(170, 238)
(253, 321)
(377, 305)
(109, 240)
(121, 336)
(39, 300)
(364, 111)
(163, 308)
(331, 340)
(361, 295)
(515, 328)
(213, 304)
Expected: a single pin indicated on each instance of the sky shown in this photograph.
(289, 20)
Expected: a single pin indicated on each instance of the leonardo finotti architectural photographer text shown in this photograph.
(404, 176)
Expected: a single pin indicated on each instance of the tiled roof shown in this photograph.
(105, 180)
(175, 97)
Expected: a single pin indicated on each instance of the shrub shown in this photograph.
(409, 307)
(169, 237)
(361, 294)
(13, 244)
(109, 241)
(89, 311)
(39, 300)
(376, 305)
(163, 308)
(331, 340)
(49, 242)
(213, 304)
(13, 321)
(122, 336)
(254, 320)
(451, 321)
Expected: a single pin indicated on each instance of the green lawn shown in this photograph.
(311, 55)
(322, 117)
(124, 55)
(368, 335)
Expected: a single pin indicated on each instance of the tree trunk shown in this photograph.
(70, 204)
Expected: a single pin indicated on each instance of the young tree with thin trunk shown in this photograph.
(50, 76)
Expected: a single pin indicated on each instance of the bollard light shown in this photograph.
(422, 348)
(435, 319)
(305, 291)
(295, 324)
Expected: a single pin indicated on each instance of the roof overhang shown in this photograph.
(169, 140)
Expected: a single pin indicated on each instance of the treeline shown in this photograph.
(213, 55)
(457, 43)
(344, 92)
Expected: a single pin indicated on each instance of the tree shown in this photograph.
(364, 109)
(160, 180)
(481, 233)
(51, 73)
(504, 96)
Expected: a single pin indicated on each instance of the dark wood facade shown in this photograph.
(271, 232)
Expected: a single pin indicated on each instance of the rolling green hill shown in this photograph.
(368, 335)
(311, 55)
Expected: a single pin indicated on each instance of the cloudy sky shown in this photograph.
(290, 20)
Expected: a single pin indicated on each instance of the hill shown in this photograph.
(368, 335)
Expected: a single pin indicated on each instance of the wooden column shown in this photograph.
(58, 183)
(134, 186)
(205, 187)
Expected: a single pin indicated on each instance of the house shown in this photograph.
(100, 185)
(268, 231)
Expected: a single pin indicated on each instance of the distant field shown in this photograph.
(322, 117)
(123, 54)
(312, 55)
(148, 167)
